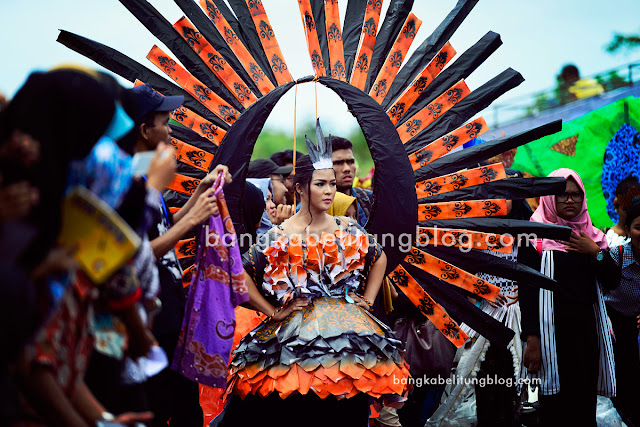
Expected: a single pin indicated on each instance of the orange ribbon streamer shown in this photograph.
(467, 239)
(186, 248)
(313, 44)
(466, 209)
(334, 40)
(192, 156)
(195, 87)
(429, 114)
(452, 274)
(395, 57)
(215, 62)
(455, 181)
(445, 144)
(269, 42)
(248, 62)
(187, 275)
(420, 83)
(427, 306)
(183, 184)
(367, 43)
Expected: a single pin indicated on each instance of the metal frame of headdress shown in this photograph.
(413, 110)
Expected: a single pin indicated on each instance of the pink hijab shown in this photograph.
(547, 213)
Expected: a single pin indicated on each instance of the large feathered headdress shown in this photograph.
(414, 110)
(320, 152)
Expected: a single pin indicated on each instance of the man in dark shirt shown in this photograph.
(172, 397)
(344, 165)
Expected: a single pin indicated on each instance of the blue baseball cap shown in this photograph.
(143, 100)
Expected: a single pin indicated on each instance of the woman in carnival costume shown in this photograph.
(320, 354)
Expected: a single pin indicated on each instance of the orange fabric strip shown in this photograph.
(174, 209)
(313, 44)
(455, 181)
(452, 274)
(248, 62)
(195, 87)
(431, 112)
(192, 156)
(187, 275)
(269, 42)
(396, 55)
(466, 209)
(442, 146)
(199, 125)
(427, 306)
(186, 248)
(183, 184)
(464, 239)
(367, 42)
(215, 62)
(195, 122)
(334, 40)
(420, 83)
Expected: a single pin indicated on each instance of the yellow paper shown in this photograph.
(102, 240)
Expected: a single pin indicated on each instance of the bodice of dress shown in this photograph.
(329, 265)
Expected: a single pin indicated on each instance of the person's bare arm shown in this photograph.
(374, 279)
(205, 206)
(204, 185)
(260, 303)
(49, 400)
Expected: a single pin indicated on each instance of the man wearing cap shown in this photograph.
(285, 158)
(171, 396)
(267, 168)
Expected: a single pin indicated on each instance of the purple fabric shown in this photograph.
(217, 286)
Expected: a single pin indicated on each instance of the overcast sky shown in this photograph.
(539, 37)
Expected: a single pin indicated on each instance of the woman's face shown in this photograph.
(566, 206)
(271, 207)
(634, 234)
(352, 212)
(323, 189)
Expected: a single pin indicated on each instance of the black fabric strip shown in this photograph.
(246, 30)
(428, 49)
(351, 32)
(473, 155)
(317, 6)
(460, 69)
(513, 188)
(503, 226)
(164, 31)
(460, 308)
(211, 34)
(391, 27)
(476, 261)
(131, 70)
(465, 109)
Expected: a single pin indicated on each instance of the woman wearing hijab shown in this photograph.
(343, 205)
(568, 344)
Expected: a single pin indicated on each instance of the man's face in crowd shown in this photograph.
(279, 189)
(344, 166)
(158, 132)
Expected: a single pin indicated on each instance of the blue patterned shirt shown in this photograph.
(626, 298)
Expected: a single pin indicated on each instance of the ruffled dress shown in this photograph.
(331, 347)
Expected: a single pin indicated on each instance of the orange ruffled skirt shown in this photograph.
(331, 347)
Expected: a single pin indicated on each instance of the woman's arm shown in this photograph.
(260, 303)
(374, 280)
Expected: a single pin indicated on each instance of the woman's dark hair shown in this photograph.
(303, 176)
(633, 212)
